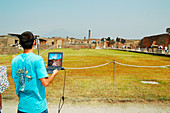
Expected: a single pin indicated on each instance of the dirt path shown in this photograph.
(148, 107)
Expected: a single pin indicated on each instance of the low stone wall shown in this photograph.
(78, 46)
(160, 51)
(9, 50)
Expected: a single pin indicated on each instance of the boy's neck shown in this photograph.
(28, 50)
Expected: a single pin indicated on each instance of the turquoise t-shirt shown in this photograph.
(27, 70)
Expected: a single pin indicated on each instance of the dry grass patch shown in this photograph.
(97, 83)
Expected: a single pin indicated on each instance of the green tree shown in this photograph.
(112, 41)
(102, 39)
(94, 42)
(117, 39)
(123, 41)
(108, 39)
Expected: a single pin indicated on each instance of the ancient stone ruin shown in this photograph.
(8, 45)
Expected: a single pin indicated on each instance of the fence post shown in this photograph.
(113, 79)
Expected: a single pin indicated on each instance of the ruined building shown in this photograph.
(54, 42)
(58, 42)
(82, 43)
(156, 40)
(124, 43)
(8, 44)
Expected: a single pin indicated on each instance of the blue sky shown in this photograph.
(130, 19)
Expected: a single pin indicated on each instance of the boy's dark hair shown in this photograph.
(26, 40)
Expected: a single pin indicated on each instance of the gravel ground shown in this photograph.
(127, 107)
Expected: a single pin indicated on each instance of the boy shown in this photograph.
(30, 77)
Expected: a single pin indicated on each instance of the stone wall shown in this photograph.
(79, 46)
(132, 44)
(6, 45)
(3, 42)
(9, 50)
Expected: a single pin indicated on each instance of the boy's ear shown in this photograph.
(34, 43)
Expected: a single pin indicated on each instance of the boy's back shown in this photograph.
(27, 70)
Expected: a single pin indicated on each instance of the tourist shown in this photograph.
(0, 102)
(166, 49)
(4, 84)
(30, 77)
(160, 47)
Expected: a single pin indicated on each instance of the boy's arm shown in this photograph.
(0, 101)
(46, 81)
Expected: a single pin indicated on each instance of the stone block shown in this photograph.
(154, 50)
(9, 50)
(160, 51)
(143, 50)
(150, 50)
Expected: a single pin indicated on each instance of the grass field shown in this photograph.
(97, 83)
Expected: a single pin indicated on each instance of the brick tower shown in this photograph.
(89, 36)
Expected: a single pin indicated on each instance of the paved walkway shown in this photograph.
(102, 108)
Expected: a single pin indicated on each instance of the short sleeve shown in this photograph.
(40, 69)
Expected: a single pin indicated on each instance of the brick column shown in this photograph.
(89, 36)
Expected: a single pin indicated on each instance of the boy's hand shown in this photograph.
(46, 81)
(55, 72)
